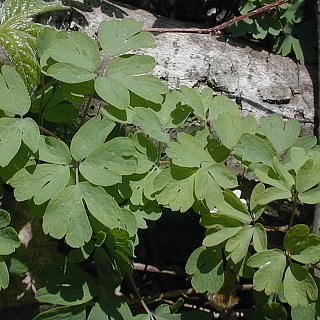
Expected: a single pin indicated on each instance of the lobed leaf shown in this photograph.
(112, 308)
(90, 136)
(299, 286)
(66, 216)
(65, 313)
(106, 164)
(9, 241)
(4, 274)
(65, 284)
(121, 36)
(206, 268)
(54, 151)
(41, 184)
(271, 264)
(174, 188)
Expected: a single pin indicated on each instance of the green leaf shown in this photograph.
(101, 205)
(30, 134)
(220, 105)
(112, 308)
(188, 151)
(230, 128)
(65, 284)
(69, 73)
(294, 159)
(272, 194)
(299, 286)
(65, 313)
(192, 98)
(90, 136)
(233, 207)
(41, 184)
(9, 241)
(66, 216)
(302, 246)
(311, 196)
(238, 245)
(220, 228)
(254, 149)
(223, 175)
(18, 35)
(79, 50)
(206, 188)
(271, 264)
(260, 241)
(13, 93)
(107, 163)
(10, 139)
(281, 134)
(308, 174)
(306, 142)
(5, 218)
(310, 312)
(255, 208)
(147, 86)
(113, 92)
(174, 187)
(121, 36)
(54, 151)
(131, 64)
(149, 122)
(206, 268)
(4, 275)
(272, 311)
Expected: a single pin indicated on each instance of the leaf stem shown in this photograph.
(48, 132)
(293, 210)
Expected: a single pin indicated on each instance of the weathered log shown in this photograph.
(262, 82)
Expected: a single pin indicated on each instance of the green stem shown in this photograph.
(86, 109)
(293, 210)
(41, 108)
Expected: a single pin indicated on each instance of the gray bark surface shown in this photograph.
(262, 82)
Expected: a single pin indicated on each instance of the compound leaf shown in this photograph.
(30, 134)
(5, 218)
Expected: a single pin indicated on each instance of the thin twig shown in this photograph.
(136, 290)
(216, 29)
(48, 132)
